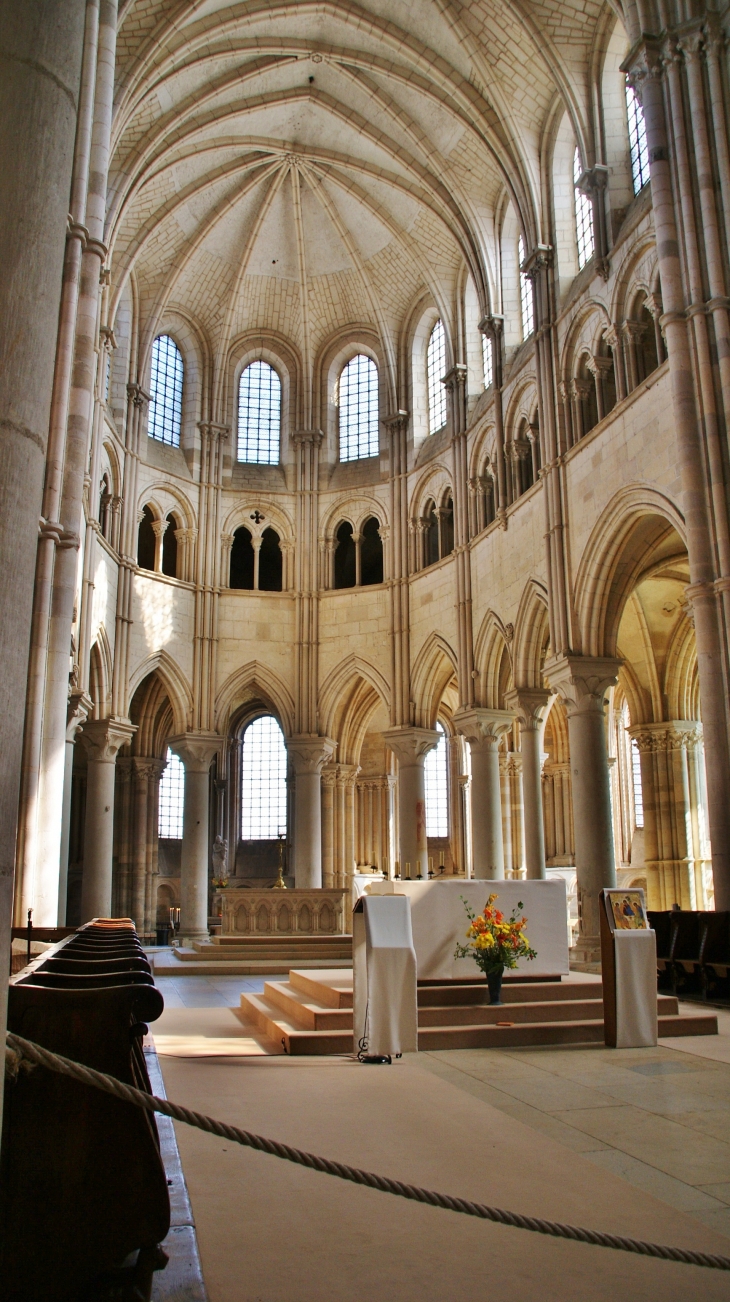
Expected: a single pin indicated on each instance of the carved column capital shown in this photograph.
(411, 745)
(196, 749)
(310, 752)
(529, 705)
(104, 737)
(78, 710)
(483, 727)
(582, 681)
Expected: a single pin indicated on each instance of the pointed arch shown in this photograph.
(348, 699)
(632, 525)
(175, 682)
(492, 661)
(531, 633)
(434, 668)
(100, 678)
(254, 680)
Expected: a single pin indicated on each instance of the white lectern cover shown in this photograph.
(636, 1003)
(385, 1006)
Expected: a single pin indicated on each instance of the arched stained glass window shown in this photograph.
(435, 368)
(172, 796)
(358, 403)
(527, 306)
(636, 780)
(263, 781)
(166, 386)
(583, 217)
(436, 770)
(259, 414)
(637, 140)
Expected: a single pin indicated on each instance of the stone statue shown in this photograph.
(220, 857)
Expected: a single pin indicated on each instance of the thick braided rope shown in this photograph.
(25, 1049)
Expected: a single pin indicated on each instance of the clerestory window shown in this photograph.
(487, 361)
(527, 307)
(583, 217)
(259, 414)
(638, 147)
(435, 369)
(358, 405)
(166, 387)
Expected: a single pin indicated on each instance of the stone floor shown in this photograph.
(632, 1140)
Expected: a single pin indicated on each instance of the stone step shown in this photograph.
(240, 967)
(284, 952)
(439, 996)
(292, 938)
(291, 1014)
(325, 988)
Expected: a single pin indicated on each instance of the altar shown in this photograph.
(439, 920)
(267, 912)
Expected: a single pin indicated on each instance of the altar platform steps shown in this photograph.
(311, 1013)
(256, 955)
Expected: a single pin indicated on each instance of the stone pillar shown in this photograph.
(309, 753)
(146, 774)
(411, 746)
(483, 729)
(582, 682)
(41, 48)
(672, 838)
(79, 707)
(328, 778)
(529, 706)
(102, 740)
(196, 750)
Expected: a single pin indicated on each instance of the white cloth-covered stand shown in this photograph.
(636, 1000)
(385, 1006)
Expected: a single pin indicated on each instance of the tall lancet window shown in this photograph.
(436, 772)
(358, 403)
(435, 368)
(263, 781)
(259, 414)
(637, 140)
(487, 361)
(527, 306)
(583, 217)
(172, 796)
(166, 386)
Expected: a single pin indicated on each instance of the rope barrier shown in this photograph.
(21, 1052)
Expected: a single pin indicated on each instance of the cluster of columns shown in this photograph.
(672, 781)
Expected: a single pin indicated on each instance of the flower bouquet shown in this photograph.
(495, 942)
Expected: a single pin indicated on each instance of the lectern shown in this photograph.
(628, 964)
(385, 1005)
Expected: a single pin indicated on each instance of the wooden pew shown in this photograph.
(82, 1185)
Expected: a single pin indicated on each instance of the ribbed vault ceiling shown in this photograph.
(304, 166)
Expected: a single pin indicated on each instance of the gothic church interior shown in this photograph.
(365, 397)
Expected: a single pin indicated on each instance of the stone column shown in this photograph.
(196, 750)
(328, 777)
(79, 707)
(411, 746)
(145, 775)
(309, 753)
(529, 706)
(582, 682)
(102, 740)
(41, 48)
(673, 848)
(483, 729)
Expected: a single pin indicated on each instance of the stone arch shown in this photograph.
(100, 676)
(434, 668)
(175, 682)
(531, 635)
(254, 680)
(348, 699)
(633, 524)
(492, 660)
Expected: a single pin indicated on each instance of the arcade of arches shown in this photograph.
(376, 386)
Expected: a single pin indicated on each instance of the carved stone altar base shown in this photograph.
(276, 913)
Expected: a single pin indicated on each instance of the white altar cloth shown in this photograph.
(636, 1001)
(385, 1008)
(439, 921)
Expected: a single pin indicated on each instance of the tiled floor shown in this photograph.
(657, 1118)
